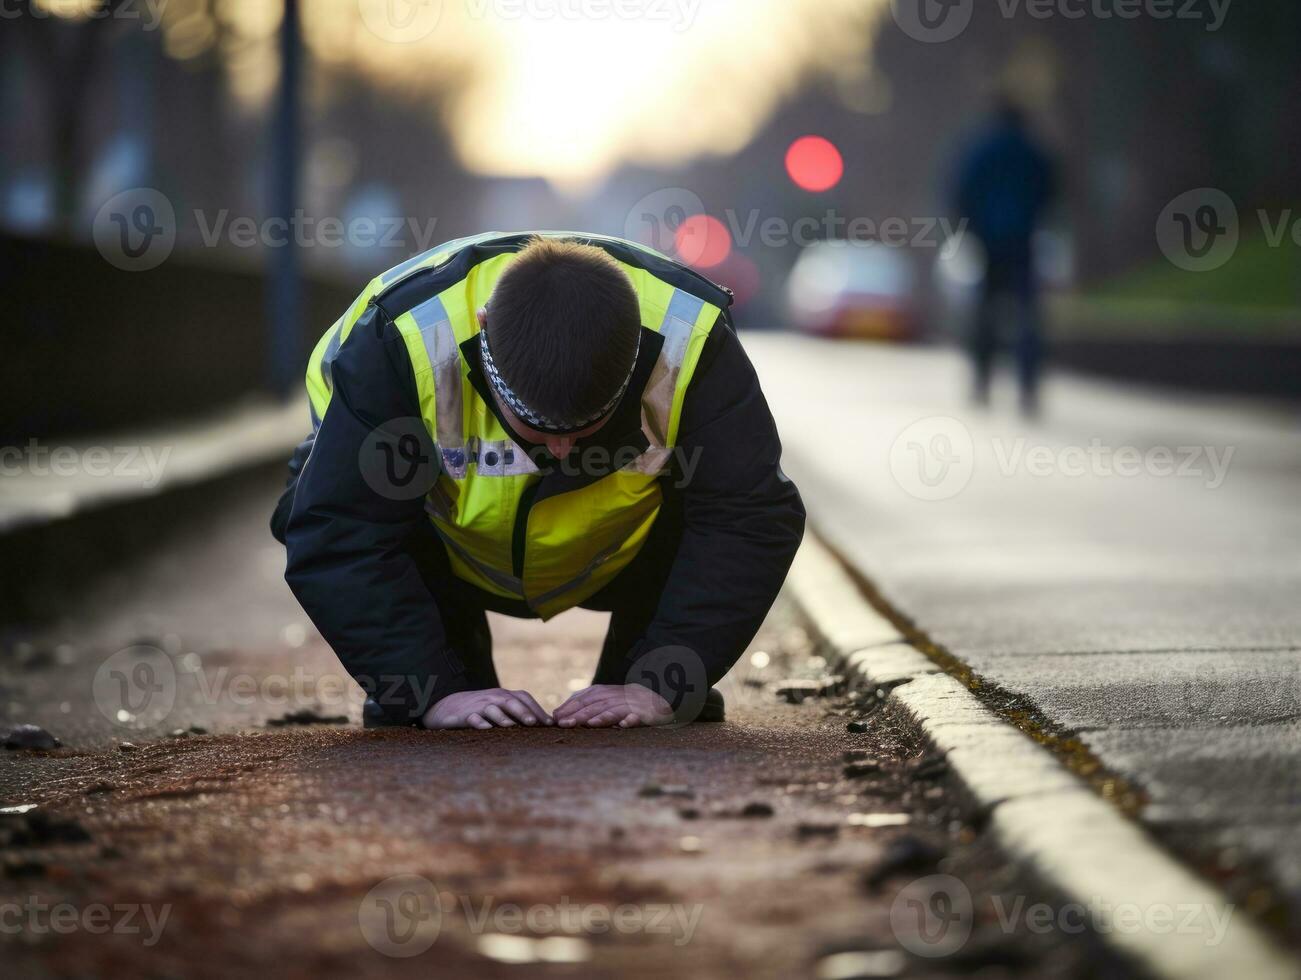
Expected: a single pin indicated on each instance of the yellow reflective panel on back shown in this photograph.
(579, 541)
(574, 542)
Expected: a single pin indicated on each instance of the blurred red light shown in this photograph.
(814, 163)
(702, 241)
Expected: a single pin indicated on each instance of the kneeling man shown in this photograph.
(523, 424)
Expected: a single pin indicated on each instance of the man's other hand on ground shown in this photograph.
(608, 705)
(491, 708)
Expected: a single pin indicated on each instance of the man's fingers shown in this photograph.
(477, 720)
(631, 720)
(583, 716)
(517, 710)
(534, 708)
(592, 708)
(498, 717)
(605, 719)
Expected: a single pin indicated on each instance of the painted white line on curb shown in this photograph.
(1040, 813)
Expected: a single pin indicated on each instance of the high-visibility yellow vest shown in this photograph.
(551, 550)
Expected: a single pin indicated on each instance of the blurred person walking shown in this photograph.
(1005, 181)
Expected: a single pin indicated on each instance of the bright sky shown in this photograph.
(565, 89)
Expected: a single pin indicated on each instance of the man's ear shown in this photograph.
(483, 317)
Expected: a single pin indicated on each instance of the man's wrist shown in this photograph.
(405, 700)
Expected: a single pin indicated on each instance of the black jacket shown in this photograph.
(350, 561)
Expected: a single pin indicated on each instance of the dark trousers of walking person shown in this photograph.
(1009, 285)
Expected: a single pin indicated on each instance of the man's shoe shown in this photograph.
(713, 708)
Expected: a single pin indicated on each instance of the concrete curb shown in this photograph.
(1041, 814)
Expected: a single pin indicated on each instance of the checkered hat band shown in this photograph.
(536, 420)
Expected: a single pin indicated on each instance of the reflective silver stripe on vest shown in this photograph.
(500, 579)
(498, 457)
(657, 400)
(416, 261)
(440, 345)
(398, 271)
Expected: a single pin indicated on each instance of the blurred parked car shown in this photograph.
(854, 289)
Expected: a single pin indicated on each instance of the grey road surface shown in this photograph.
(1131, 562)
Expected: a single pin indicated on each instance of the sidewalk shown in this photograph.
(1154, 615)
(777, 844)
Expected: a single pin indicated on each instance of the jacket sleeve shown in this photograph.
(742, 517)
(358, 499)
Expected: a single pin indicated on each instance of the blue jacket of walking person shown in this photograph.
(1004, 183)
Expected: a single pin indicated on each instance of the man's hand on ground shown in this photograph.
(607, 705)
(494, 707)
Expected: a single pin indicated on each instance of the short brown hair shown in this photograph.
(563, 324)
